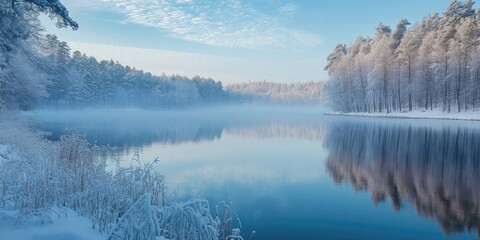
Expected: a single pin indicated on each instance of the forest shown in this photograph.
(79, 80)
(431, 65)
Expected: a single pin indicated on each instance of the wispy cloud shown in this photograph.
(227, 23)
(288, 9)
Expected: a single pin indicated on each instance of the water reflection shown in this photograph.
(133, 128)
(306, 130)
(124, 135)
(435, 169)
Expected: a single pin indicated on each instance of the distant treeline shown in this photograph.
(433, 64)
(285, 93)
(78, 80)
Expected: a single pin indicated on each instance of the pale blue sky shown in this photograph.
(231, 40)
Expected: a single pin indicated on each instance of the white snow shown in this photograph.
(67, 225)
(420, 114)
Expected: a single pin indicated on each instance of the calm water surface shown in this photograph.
(296, 174)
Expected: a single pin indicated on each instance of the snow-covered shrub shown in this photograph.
(188, 221)
(112, 194)
(76, 160)
(235, 235)
(138, 222)
(229, 223)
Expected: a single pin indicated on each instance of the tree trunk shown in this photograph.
(410, 105)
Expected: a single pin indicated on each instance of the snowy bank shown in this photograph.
(64, 225)
(418, 114)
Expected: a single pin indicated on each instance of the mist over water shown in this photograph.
(136, 128)
(293, 173)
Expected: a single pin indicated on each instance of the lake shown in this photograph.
(293, 173)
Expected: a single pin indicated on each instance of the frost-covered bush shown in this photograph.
(228, 223)
(112, 194)
(188, 221)
(137, 223)
(77, 161)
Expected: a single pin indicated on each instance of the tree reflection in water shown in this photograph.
(435, 169)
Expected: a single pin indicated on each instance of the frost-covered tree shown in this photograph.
(54, 9)
(21, 83)
(399, 33)
(407, 57)
(339, 51)
(432, 64)
(57, 55)
(425, 85)
(382, 72)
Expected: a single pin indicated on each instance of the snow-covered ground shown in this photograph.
(67, 225)
(419, 114)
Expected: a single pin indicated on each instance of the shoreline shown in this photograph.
(397, 116)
